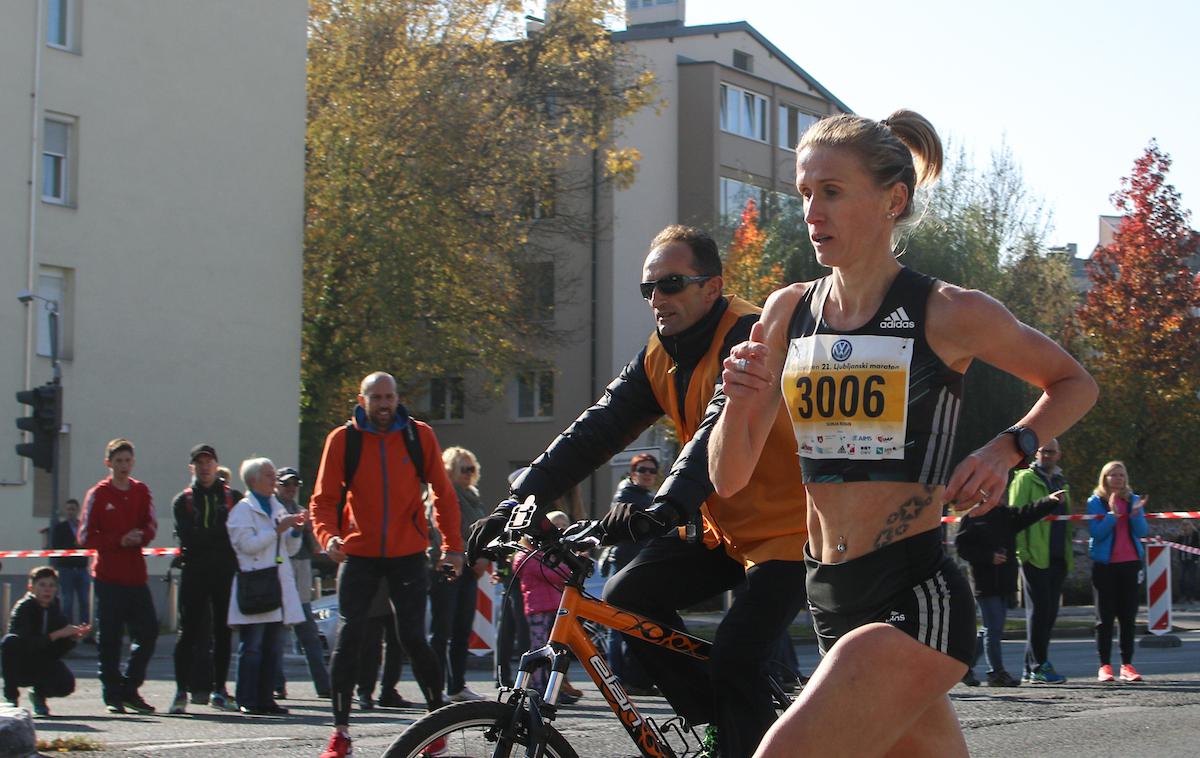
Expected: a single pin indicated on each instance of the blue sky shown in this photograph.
(1076, 89)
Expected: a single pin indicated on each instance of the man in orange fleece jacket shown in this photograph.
(381, 535)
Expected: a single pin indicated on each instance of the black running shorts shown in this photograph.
(911, 585)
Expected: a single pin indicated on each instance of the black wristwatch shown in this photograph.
(1026, 440)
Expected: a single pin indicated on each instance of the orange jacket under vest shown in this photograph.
(767, 519)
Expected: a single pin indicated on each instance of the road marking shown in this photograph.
(179, 745)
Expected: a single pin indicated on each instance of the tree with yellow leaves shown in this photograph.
(447, 151)
(747, 273)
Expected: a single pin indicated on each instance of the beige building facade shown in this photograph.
(152, 183)
(732, 107)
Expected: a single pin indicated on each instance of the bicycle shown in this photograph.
(524, 717)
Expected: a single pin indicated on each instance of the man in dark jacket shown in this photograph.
(74, 582)
(755, 537)
(989, 544)
(202, 650)
(39, 635)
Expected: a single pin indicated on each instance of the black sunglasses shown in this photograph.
(466, 469)
(669, 285)
(644, 470)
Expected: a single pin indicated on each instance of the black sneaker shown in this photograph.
(365, 702)
(135, 703)
(393, 699)
(969, 679)
(113, 706)
(1002, 679)
(39, 703)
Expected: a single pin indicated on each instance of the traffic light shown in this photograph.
(43, 424)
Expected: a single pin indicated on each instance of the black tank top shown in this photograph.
(875, 403)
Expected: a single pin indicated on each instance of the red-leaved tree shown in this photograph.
(747, 273)
(1139, 322)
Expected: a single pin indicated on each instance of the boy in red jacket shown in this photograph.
(118, 520)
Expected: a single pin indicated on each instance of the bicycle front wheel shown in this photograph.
(474, 729)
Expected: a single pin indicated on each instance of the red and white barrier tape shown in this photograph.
(1096, 516)
(78, 553)
(1175, 545)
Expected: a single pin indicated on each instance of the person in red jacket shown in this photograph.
(118, 520)
(381, 535)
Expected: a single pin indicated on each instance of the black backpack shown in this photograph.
(353, 452)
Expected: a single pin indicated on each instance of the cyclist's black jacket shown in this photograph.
(627, 408)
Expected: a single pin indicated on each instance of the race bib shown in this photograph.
(847, 395)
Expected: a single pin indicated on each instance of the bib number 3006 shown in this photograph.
(826, 397)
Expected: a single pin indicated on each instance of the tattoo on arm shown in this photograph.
(903, 517)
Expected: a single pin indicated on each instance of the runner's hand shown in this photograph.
(624, 522)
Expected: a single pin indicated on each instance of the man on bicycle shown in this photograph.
(757, 536)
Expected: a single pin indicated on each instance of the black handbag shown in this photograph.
(259, 591)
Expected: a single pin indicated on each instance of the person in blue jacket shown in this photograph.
(1116, 551)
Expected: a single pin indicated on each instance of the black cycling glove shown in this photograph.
(625, 522)
(487, 529)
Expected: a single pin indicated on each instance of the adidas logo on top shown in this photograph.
(897, 320)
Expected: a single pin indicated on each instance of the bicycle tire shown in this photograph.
(465, 726)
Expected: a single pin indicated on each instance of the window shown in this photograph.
(56, 161)
(52, 284)
(734, 196)
(793, 123)
(537, 286)
(539, 202)
(446, 399)
(744, 61)
(535, 394)
(743, 112)
(62, 24)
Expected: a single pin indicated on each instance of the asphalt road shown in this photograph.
(1080, 718)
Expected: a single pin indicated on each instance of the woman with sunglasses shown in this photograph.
(452, 601)
(869, 363)
(638, 490)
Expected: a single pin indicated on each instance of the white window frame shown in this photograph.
(541, 382)
(52, 284)
(734, 195)
(61, 163)
(68, 13)
(748, 115)
(451, 385)
(784, 138)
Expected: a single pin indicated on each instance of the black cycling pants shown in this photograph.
(202, 650)
(731, 689)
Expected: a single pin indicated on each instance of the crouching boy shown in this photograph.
(39, 636)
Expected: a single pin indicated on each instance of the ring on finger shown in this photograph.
(983, 494)
(743, 365)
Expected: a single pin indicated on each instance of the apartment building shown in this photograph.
(733, 108)
(152, 185)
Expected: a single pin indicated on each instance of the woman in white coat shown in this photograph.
(263, 534)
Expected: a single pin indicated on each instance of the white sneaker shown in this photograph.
(464, 695)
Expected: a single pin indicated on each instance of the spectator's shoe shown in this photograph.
(1026, 675)
(179, 704)
(393, 699)
(39, 703)
(222, 701)
(325, 694)
(281, 693)
(113, 705)
(1128, 673)
(437, 747)
(1105, 674)
(636, 691)
(1045, 674)
(365, 702)
(969, 679)
(200, 698)
(1002, 679)
(134, 702)
(275, 709)
(340, 746)
(251, 710)
(708, 745)
(466, 694)
(12, 697)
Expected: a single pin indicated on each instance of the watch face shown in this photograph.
(1027, 441)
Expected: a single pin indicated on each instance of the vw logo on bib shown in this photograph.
(841, 350)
